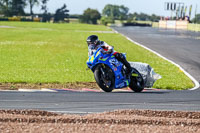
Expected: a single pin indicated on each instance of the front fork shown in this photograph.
(103, 72)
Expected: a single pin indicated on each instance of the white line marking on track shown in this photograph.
(28, 90)
(186, 73)
(49, 90)
(36, 90)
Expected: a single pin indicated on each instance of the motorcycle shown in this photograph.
(109, 73)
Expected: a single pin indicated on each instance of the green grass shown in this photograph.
(57, 53)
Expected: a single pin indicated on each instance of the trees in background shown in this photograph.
(196, 19)
(90, 16)
(31, 4)
(111, 13)
(115, 12)
(142, 17)
(61, 14)
(154, 18)
(12, 7)
(17, 7)
(45, 15)
(5, 7)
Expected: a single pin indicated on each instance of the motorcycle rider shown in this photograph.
(94, 43)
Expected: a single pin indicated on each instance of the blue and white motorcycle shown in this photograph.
(109, 73)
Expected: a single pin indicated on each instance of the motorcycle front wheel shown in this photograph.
(137, 82)
(104, 77)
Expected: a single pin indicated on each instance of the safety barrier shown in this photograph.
(173, 24)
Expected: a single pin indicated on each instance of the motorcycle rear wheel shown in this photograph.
(107, 81)
(137, 82)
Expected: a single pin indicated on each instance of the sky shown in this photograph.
(144, 6)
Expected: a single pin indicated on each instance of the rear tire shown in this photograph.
(137, 82)
(106, 84)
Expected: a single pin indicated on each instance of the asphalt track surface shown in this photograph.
(180, 46)
(92, 102)
(83, 102)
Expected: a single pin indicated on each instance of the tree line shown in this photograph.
(10, 8)
(111, 13)
(16, 7)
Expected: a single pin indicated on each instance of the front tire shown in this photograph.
(104, 77)
(137, 82)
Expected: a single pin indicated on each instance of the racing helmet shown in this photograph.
(93, 39)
